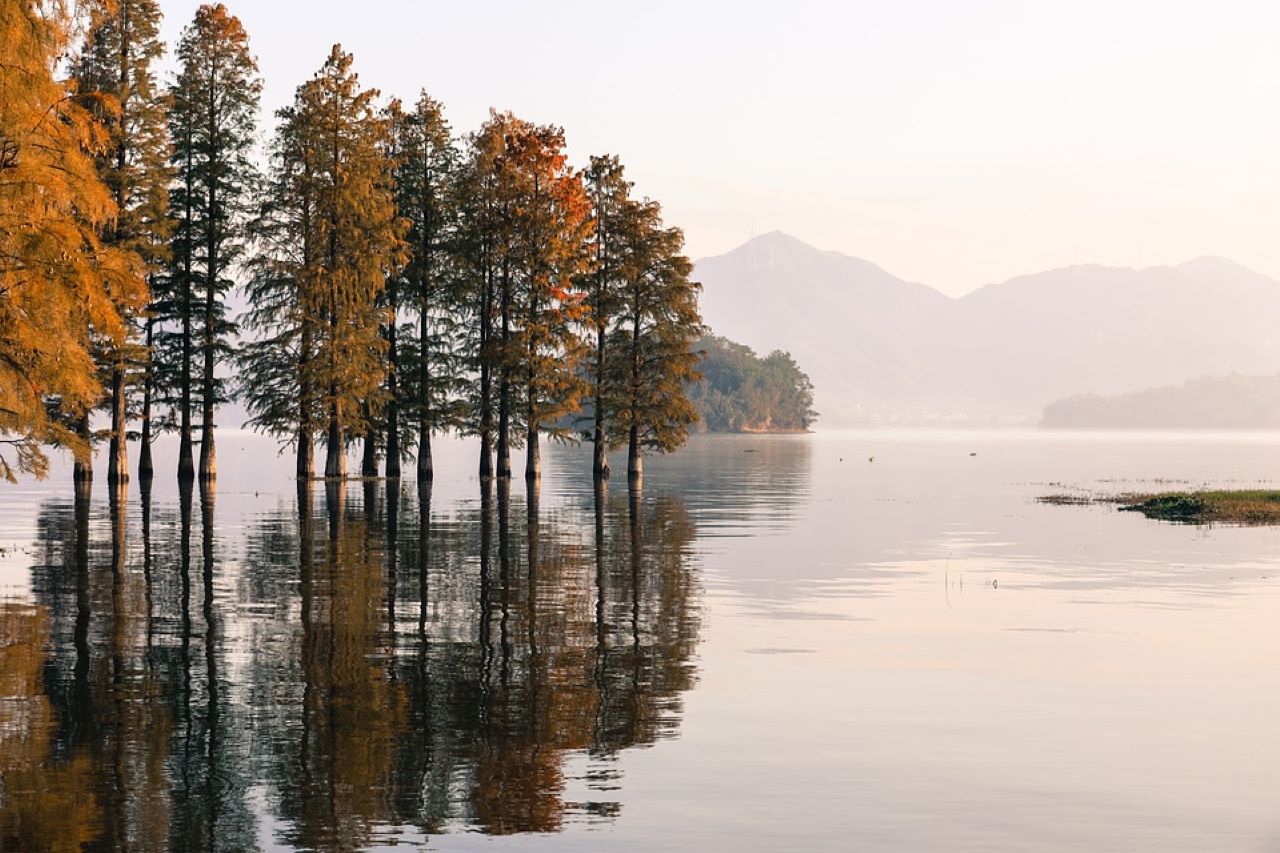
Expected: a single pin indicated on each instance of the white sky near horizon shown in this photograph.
(952, 143)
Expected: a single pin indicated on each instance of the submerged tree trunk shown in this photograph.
(369, 462)
(600, 455)
(82, 474)
(186, 462)
(533, 455)
(426, 473)
(504, 384)
(306, 454)
(118, 463)
(146, 469)
(335, 464)
(486, 373)
(208, 453)
(393, 386)
(635, 462)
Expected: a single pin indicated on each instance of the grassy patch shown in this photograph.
(1246, 506)
(1242, 506)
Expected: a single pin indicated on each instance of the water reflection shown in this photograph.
(355, 665)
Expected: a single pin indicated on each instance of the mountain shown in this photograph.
(1213, 402)
(881, 350)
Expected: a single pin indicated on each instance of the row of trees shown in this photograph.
(403, 281)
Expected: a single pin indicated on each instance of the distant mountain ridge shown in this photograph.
(1211, 402)
(881, 350)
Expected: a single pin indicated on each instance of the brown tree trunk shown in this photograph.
(118, 463)
(335, 463)
(635, 461)
(533, 456)
(146, 469)
(306, 454)
(393, 388)
(82, 474)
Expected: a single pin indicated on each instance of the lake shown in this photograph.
(839, 641)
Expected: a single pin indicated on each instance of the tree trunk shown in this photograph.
(146, 470)
(335, 463)
(426, 472)
(208, 453)
(118, 463)
(82, 474)
(306, 454)
(369, 464)
(635, 462)
(186, 463)
(533, 456)
(393, 388)
(600, 456)
(504, 384)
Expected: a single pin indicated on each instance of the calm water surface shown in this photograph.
(779, 644)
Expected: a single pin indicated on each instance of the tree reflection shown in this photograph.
(370, 662)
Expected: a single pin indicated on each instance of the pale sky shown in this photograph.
(953, 142)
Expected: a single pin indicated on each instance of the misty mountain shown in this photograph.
(882, 350)
(1211, 402)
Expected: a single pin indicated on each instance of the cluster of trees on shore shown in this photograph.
(404, 281)
(739, 391)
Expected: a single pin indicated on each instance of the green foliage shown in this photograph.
(740, 392)
(212, 118)
(330, 239)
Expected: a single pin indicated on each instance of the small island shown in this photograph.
(741, 392)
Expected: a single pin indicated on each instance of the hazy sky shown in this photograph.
(954, 142)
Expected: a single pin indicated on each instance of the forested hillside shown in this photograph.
(742, 392)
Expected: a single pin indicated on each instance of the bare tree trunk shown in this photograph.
(335, 464)
(306, 453)
(486, 380)
(186, 464)
(533, 456)
(82, 475)
(146, 469)
(369, 463)
(504, 384)
(425, 471)
(600, 455)
(635, 461)
(118, 463)
(393, 386)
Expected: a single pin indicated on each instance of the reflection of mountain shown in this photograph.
(880, 349)
(372, 665)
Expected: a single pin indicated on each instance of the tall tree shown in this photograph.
(59, 283)
(334, 239)
(610, 195)
(212, 121)
(552, 224)
(116, 80)
(423, 379)
(525, 220)
(481, 249)
(651, 359)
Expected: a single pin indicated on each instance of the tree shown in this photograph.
(610, 195)
(480, 245)
(651, 359)
(524, 222)
(552, 224)
(423, 380)
(116, 81)
(331, 240)
(59, 283)
(212, 121)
